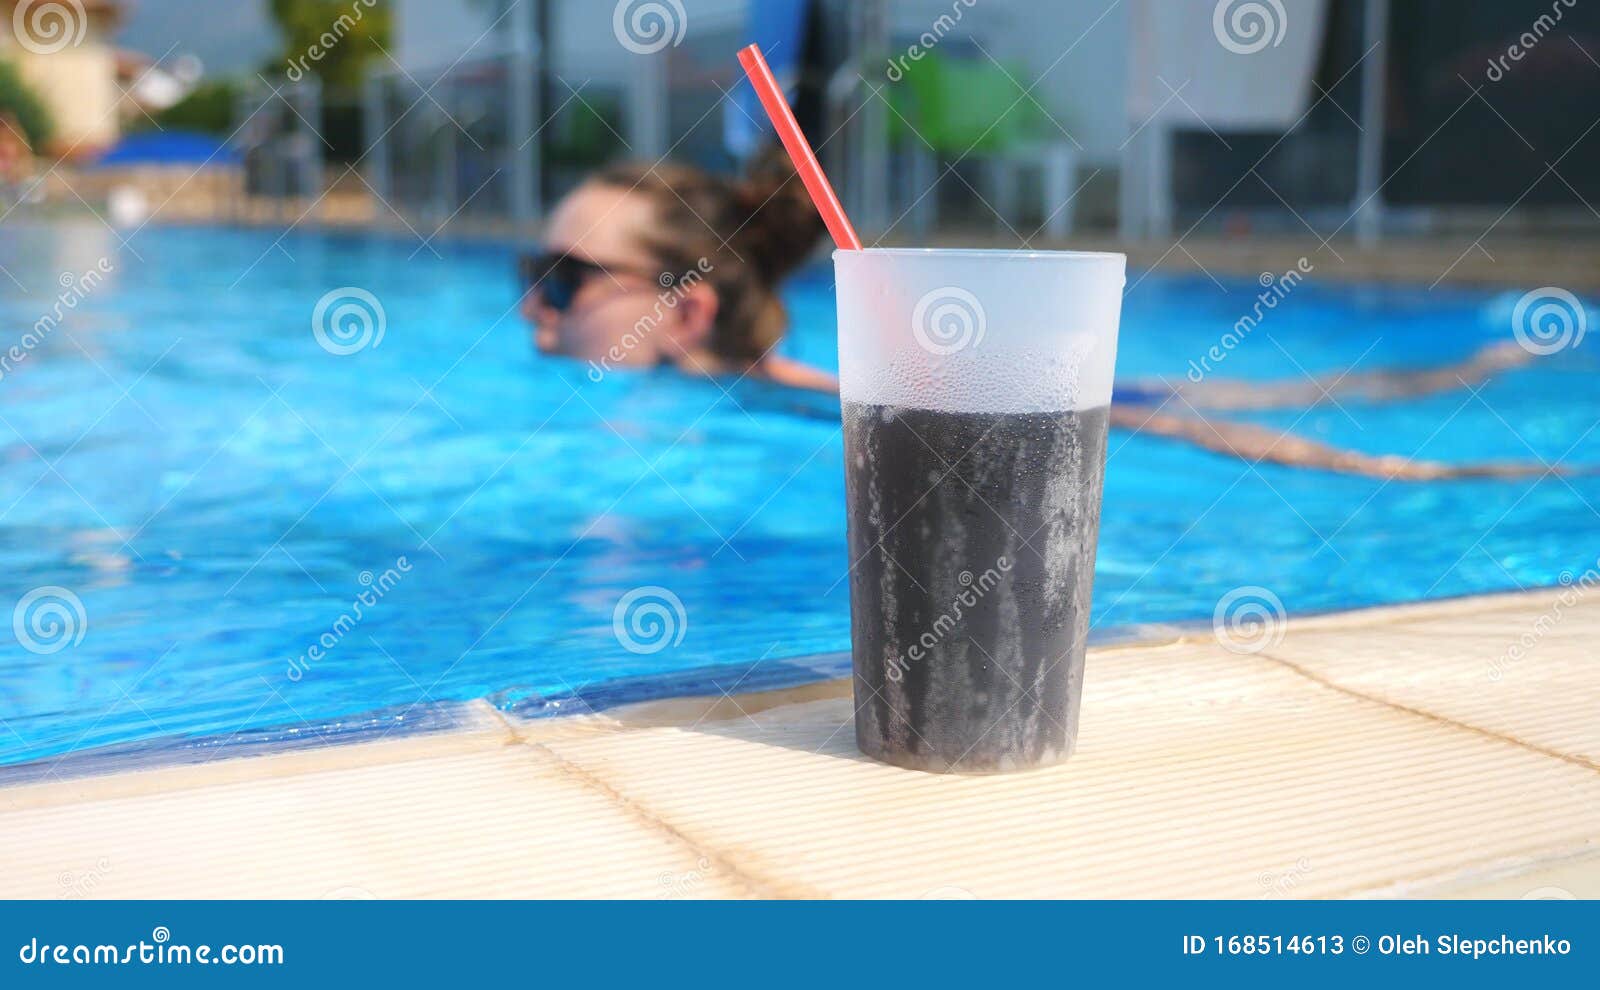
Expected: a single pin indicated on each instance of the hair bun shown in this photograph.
(779, 225)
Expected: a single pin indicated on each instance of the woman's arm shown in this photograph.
(1244, 441)
(784, 371)
(1374, 386)
(1258, 444)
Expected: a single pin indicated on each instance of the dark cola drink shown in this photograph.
(975, 389)
(972, 541)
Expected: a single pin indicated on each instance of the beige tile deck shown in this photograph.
(1386, 752)
(493, 818)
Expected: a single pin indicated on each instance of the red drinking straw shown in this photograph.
(794, 142)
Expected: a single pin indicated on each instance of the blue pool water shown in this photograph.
(212, 486)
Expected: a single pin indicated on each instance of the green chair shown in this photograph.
(961, 106)
(974, 109)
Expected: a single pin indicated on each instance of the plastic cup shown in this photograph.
(976, 388)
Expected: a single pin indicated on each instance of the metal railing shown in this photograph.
(279, 141)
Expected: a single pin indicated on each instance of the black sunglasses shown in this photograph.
(558, 275)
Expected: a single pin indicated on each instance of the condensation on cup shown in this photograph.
(976, 388)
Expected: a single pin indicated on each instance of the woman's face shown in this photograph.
(614, 315)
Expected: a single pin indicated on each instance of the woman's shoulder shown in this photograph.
(785, 371)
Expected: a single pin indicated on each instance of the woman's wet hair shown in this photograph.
(742, 234)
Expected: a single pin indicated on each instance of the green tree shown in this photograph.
(331, 39)
(18, 100)
(209, 108)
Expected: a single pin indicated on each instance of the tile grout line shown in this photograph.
(756, 885)
(1502, 869)
(1423, 713)
(1193, 632)
(1164, 636)
(485, 710)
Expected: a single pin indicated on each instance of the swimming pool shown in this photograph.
(197, 498)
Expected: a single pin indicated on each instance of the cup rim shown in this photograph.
(996, 254)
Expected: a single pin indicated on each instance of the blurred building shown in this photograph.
(64, 51)
(1334, 116)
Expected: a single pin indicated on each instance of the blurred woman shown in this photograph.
(669, 265)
